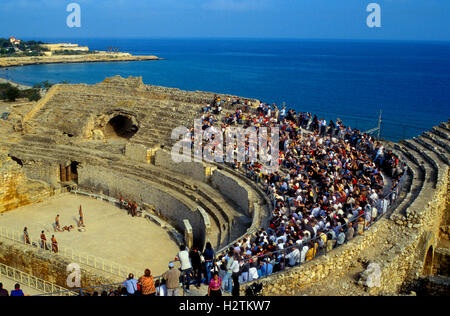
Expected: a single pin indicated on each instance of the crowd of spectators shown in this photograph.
(330, 188)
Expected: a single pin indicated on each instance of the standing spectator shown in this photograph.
(17, 291)
(186, 266)
(215, 286)
(172, 277)
(253, 271)
(161, 289)
(196, 261)
(26, 236)
(131, 285)
(235, 267)
(221, 266)
(208, 254)
(245, 266)
(147, 283)
(227, 279)
(379, 157)
(3, 292)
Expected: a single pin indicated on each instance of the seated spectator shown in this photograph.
(350, 232)
(293, 257)
(330, 242)
(312, 251)
(341, 237)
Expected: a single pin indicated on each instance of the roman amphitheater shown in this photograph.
(89, 145)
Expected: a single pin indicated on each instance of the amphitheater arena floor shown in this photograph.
(111, 234)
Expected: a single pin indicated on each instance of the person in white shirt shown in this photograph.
(186, 266)
(253, 274)
(235, 268)
(293, 257)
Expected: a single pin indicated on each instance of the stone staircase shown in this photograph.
(74, 109)
(415, 180)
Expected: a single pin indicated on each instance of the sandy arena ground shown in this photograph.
(110, 233)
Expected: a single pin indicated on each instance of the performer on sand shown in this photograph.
(68, 228)
(54, 244)
(26, 236)
(81, 222)
(129, 208)
(121, 202)
(134, 209)
(57, 225)
(43, 241)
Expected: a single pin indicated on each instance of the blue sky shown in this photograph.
(318, 19)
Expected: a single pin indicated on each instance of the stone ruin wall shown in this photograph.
(111, 183)
(49, 267)
(16, 189)
(234, 190)
(196, 170)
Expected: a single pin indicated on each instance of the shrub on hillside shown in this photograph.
(11, 94)
(31, 94)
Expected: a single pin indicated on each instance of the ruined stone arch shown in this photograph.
(17, 160)
(428, 261)
(427, 252)
(116, 124)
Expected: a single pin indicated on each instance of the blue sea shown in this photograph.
(353, 80)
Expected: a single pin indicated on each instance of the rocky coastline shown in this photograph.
(99, 57)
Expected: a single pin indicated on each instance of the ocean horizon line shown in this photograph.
(373, 40)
